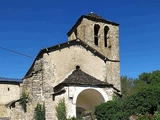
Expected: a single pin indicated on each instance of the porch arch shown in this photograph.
(86, 99)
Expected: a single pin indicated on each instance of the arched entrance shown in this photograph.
(87, 100)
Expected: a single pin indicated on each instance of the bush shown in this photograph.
(39, 112)
(23, 101)
(110, 110)
(61, 110)
(156, 116)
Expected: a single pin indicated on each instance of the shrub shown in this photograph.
(23, 101)
(61, 110)
(39, 112)
(156, 116)
(110, 110)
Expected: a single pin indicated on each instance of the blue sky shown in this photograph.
(28, 26)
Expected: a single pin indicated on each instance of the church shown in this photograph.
(84, 71)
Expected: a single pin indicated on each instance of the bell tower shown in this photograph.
(101, 34)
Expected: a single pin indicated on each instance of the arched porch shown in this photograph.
(87, 99)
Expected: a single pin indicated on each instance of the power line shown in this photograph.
(17, 52)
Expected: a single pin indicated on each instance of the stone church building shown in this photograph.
(84, 71)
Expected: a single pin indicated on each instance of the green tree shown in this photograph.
(145, 101)
(126, 86)
(130, 86)
(138, 85)
(151, 78)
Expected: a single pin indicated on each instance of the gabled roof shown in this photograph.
(94, 17)
(10, 80)
(68, 44)
(78, 77)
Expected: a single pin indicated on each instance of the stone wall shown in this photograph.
(60, 63)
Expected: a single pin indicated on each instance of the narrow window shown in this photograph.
(106, 29)
(75, 32)
(96, 30)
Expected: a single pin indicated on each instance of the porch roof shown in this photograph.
(78, 77)
(81, 78)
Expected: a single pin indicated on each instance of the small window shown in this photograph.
(8, 89)
(96, 31)
(77, 67)
(75, 32)
(106, 29)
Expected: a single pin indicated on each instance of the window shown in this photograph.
(96, 30)
(106, 29)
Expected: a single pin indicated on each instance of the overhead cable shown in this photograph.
(17, 52)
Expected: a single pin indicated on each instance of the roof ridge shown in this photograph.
(95, 16)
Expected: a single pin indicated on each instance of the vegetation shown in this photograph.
(141, 98)
(61, 110)
(39, 112)
(23, 101)
(146, 101)
(110, 110)
(156, 116)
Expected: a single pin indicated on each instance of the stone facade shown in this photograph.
(92, 50)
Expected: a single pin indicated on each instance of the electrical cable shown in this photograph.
(17, 52)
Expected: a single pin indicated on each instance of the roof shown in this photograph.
(94, 17)
(10, 80)
(78, 77)
(68, 44)
(81, 78)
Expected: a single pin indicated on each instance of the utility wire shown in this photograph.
(17, 52)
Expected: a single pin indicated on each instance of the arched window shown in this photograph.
(106, 29)
(96, 30)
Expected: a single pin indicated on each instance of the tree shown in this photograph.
(145, 101)
(126, 86)
(138, 85)
(141, 98)
(130, 86)
(151, 78)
